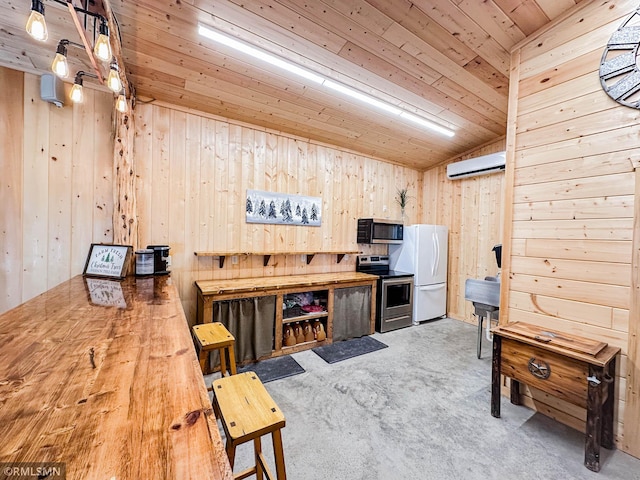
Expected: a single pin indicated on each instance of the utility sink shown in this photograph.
(486, 292)
(485, 296)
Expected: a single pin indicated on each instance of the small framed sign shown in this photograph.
(107, 260)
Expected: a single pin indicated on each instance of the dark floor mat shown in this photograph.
(274, 368)
(336, 352)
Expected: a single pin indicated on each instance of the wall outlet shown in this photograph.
(234, 259)
(303, 258)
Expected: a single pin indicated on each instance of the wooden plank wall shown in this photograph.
(572, 201)
(472, 209)
(56, 193)
(194, 171)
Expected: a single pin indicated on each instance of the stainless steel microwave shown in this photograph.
(374, 230)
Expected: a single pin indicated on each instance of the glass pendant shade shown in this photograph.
(113, 81)
(36, 26)
(76, 93)
(103, 48)
(60, 66)
(121, 104)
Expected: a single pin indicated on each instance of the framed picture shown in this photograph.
(283, 208)
(107, 260)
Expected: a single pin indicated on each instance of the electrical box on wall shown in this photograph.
(52, 89)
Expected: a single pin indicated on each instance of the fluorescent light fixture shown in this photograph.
(320, 80)
(259, 54)
(362, 97)
(427, 123)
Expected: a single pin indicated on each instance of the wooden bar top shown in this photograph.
(102, 375)
(242, 285)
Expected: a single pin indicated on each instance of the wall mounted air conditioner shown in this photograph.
(476, 166)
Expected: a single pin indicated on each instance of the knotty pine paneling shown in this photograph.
(574, 216)
(56, 196)
(472, 209)
(193, 173)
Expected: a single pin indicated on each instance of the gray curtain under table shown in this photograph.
(351, 312)
(250, 321)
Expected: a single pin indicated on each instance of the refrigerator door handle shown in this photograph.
(436, 247)
(427, 288)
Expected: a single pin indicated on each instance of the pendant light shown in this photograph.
(121, 103)
(77, 96)
(60, 66)
(102, 48)
(36, 26)
(113, 80)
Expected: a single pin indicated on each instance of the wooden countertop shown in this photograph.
(242, 285)
(114, 392)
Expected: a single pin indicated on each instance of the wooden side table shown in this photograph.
(578, 370)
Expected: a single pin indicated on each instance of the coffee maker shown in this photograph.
(161, 259)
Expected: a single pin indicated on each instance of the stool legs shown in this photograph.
(257, 451)
(278, 453)
(259, 470)
(203, 356)
(223, 362)
(232, 359)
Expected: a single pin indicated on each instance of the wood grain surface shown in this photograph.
(239, 285)
(112, 392)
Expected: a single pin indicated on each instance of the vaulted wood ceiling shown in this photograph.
(447, 60)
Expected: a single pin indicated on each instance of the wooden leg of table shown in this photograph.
(607, 407)
(594, 420)
(257, 448)
(278, 454)
(495, 376)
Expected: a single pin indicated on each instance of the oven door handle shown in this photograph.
(397, 281)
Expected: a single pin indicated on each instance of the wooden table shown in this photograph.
(214, 290)
(102, 375)
(578, 370)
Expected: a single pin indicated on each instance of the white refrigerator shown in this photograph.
(423, 252)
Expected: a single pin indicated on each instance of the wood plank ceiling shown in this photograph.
(447, 60)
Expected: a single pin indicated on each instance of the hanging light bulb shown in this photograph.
(76, 94)
(60, 66)
(121, 103)
(113, 80)
(36, 26)
(102, 48)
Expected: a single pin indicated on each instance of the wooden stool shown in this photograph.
(248, 412)
(214, 336)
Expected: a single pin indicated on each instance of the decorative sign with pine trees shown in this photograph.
(283, 208)
(107, 260)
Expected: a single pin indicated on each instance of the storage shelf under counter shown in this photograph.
(325, 286)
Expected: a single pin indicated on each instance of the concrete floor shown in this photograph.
(420, 409)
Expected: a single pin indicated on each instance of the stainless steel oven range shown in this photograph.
(394, 302)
